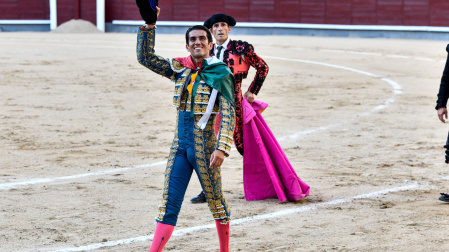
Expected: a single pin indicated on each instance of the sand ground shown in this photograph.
(355, 117)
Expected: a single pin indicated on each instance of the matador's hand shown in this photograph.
(216, 159)
(442, 113)
(249, 96)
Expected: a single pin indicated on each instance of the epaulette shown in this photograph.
(240, 47)
(176, 66)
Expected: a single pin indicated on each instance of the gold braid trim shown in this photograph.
(168, 170)
(147, 57)
(210, 178)
(227, 125)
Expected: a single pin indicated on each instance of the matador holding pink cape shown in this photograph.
(267, 172)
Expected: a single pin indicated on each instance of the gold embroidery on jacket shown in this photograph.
(168, 169)
(205, 141)
(226, 126)
(201, 98)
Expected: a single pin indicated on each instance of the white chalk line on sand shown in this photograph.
(381, 55)
(181, 50)
(397, 90)
(273, 215)
(77, 176)
(370, 54)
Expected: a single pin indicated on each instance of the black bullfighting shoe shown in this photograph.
(201, 198)
(444, 197)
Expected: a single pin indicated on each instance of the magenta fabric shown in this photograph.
(267, 173)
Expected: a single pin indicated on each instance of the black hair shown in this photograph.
(198, 27)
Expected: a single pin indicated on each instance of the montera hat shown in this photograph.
(147, 9)
(219, 18)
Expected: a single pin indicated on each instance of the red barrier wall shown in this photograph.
(76, 9)
(356, 12)
(24, 9)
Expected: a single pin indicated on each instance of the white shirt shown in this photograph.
(225, 45)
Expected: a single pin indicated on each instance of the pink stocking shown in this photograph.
(161, 236)
(223, 235)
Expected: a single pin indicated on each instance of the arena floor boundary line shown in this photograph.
(397, 90)
(247, 219)
(185, 231)
(397, 56)
(82, 175)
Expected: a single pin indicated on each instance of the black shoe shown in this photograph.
(201, 198)
(444, 197)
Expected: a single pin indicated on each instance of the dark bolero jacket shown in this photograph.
(443, 93)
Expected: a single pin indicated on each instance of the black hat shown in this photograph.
(148, 10)
(219, 18)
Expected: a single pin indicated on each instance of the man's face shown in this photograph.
(220, 31)
(198, 45)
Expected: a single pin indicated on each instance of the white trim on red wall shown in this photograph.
(52, 21)
(299, 26)
(101, 15)
(24, 22)
(53, 15)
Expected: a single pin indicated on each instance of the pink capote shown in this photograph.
(267, 173)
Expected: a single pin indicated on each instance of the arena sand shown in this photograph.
(81, 103)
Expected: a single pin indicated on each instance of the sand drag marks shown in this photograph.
(364, 154)
(242, 221)
(397, 90)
